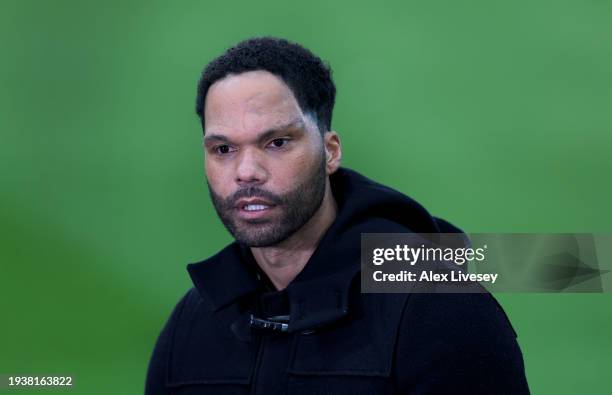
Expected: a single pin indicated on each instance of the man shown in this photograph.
(280, 311)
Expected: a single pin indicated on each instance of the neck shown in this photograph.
(284, 261)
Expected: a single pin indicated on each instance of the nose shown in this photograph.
(250, 169)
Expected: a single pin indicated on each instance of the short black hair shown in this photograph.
(308, 77)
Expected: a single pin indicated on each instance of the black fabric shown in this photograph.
(339, 341)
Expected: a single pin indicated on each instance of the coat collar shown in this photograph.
(316, 298)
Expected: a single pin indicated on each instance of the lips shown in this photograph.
(254, 207)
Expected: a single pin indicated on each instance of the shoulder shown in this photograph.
(432, 313)
(190, 302)
(452, 320)
(185, 306)
(460, 343)
(190, 308)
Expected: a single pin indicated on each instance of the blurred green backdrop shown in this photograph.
(494, 115)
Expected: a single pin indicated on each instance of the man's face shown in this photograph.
(265, 160)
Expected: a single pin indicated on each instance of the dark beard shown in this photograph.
(296, 206)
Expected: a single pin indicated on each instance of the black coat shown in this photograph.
(338, 340)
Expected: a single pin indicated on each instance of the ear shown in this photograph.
(333, 151)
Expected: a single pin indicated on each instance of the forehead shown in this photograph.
(249, 101)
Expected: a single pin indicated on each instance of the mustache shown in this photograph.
(253, 191)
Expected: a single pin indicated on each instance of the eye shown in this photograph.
(279, 143)
(223, 149)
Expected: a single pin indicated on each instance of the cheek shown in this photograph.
(217, 177)
(289, 172)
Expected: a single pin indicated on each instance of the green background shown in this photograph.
(494, 115)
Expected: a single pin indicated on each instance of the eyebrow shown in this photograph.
(294, 124)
